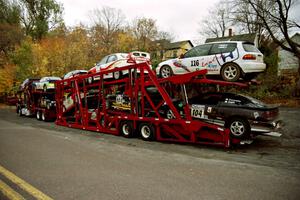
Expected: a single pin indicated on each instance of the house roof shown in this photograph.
(243, 37)
(173, 45)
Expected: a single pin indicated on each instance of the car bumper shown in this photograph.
(252, 67)
(267, 128)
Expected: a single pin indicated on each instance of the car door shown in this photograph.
(197, 58)
(205, 106)
(221, 53)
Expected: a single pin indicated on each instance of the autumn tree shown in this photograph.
(40, 16)
(107, 24)
(275, 17)
(10, 29)
(145, 31)
(217, 21)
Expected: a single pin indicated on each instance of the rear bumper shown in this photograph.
(251, 67)
(267, 128)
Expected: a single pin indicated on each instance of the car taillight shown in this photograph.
(249, 57)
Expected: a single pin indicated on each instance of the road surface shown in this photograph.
(64, 163)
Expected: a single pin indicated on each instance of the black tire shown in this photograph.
(165, 71)
(38, 115)
(250, 76)
(45, 88)
(44, 116)
(126, 129)
(169, 114)
(117, 75)
(147, 131)
(20, 112)
(230, 72)
(90, 80)
(239, 128)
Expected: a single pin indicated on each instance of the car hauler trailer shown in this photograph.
(130, 106)
(32, 102)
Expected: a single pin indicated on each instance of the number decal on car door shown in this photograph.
(197, 111)
(194, 63)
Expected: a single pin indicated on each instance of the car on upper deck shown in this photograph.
(118, 60)
(46, 83)
(230, 59)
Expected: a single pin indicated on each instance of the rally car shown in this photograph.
(117, 60)
(243, 115)
(230, 59)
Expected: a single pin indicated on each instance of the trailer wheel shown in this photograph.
(147, 131)
(20, 112)
(38, 115)
(43, 116)
(126, 129)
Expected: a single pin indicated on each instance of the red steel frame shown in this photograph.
(181, 129)
(30, 98)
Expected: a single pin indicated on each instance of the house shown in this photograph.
(252, 37)
(167, 50)
(288, 63)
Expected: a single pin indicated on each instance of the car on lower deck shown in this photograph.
(243, 115)
(231, 60)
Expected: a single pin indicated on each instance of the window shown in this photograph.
(250, 47)
(111, 58)
(103, 61)
(201, 50)
(222, 48)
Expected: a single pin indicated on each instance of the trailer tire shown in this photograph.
(126, 129)
(20, 112)
(147, 131)
(38, 115)
(44, 117)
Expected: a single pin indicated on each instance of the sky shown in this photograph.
(179, 17)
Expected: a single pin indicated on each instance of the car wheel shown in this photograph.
(117, 75)
(230, 72)
(165, 71)
(147, 131)
(170, 114)
(126, 129)
(45, 88)
(90, 80)
(239, 128)
(249, 76)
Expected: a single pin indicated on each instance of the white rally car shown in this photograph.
(117, 60)
(46, 83)
(230, 59)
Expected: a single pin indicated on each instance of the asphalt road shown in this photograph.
(66, 163)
